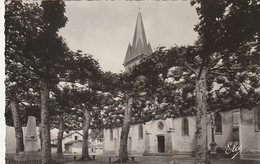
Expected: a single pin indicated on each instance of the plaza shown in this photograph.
(193, 101)
(177, 159)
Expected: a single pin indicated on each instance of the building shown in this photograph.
(177, 135)
(95, 146)
(73, 147)
(72, 144)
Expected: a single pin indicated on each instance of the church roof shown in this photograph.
(139, 45)
(72, 142)
(67, 135)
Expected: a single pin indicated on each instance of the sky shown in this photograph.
(105, 28)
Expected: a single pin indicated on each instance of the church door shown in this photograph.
(161, 144)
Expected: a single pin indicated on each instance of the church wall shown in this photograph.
(108, 144)
(111, 146)
(135, 143)
(250, 138)
(248, 135)
(226, 136)
(183, 143)
(131, 64)
(176, 142)
(153, 131)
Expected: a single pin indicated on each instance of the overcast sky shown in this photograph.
(104, 29)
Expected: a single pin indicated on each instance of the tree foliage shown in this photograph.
(20, 81)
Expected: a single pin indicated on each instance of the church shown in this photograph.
(177, 135)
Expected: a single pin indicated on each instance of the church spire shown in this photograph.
(139, 45)
(139, 34)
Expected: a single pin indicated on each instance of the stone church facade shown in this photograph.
(177, 135)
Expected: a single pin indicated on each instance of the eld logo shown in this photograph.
(233, 147)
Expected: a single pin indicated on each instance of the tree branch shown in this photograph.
(214, 63)
(225, 68)
(245, 87)
(218, 73)
(201, 67)
(180, 75)
(190, 68)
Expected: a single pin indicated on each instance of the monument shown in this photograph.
(30, 143)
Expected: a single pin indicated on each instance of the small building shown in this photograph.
(95, 146)
(67, 139)
(73, 147)
(72, 144)
(53, 148)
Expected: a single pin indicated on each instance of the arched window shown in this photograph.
(257, 119)
(185, 127)
(140, 131)
(218, 123)
(111, 134)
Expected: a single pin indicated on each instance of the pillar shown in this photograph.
(147, 143)
(168, 142)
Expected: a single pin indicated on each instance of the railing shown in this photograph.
(35, 161)
(12, 159)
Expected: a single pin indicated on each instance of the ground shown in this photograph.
(100, 159)
(104, 159)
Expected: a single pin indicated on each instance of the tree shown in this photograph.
(86, 105)
(120, 102)
(61, 113)
(51, 52)
(20, 81)
(85, 78)
(40, 51)
(226, 29)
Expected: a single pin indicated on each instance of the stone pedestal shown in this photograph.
(213, 146)
(30, 143)
(27, 156)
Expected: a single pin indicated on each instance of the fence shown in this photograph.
(10, 159)
(38, 161)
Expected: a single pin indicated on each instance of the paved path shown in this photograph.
(102, 159)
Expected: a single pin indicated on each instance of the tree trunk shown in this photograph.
(17, 125)
(85, 153)
(123, 156)
(60, 137)
(201, 148)
(45, 122)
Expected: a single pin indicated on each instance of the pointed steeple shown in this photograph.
(139, 34)
(139, 45)
(128, 53)
(150, 51)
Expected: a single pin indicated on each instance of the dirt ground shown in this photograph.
(103, 159)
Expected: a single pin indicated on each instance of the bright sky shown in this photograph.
(105, 28)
